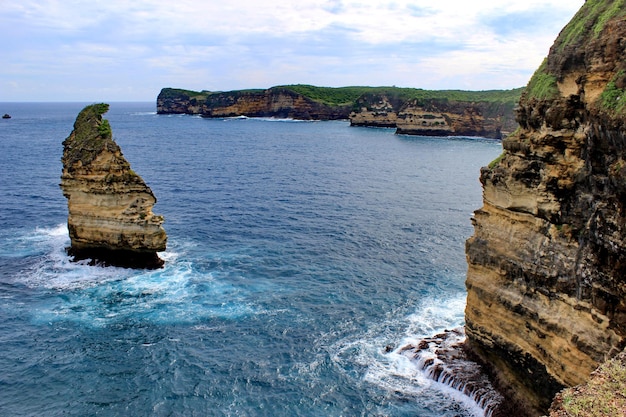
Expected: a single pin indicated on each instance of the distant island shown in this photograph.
(410, 111)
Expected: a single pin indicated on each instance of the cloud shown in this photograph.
(144, 45)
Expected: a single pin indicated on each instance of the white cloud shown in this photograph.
(218, 44)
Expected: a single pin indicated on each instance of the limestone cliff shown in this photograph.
(277, 102)
(436, 116)
(547, 262)
(409, 110)
(110, 207)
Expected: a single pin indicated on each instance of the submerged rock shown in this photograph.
(110, 217)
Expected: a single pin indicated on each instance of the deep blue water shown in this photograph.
(297, 252)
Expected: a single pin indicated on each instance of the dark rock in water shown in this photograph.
(110, 217)
(443, 359)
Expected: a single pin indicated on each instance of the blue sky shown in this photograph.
(119, 50)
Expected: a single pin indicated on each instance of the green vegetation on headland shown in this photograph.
(342, 96)
(171, 93)
(349, 95)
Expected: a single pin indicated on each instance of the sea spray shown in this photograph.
(442, 359)
(420, 363)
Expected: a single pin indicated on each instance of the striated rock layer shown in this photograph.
(110, 207)
(435, 117)
(547, 262)
(274, 102)
(278, 102)
(411, 111)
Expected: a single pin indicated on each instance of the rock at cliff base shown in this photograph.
(110, 218)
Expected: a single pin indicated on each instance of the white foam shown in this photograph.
(54, 269)
(98, 296)
(390, 370)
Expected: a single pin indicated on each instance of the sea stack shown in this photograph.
(110, 217)
(547, 262)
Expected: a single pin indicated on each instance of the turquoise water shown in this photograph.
(297, 253)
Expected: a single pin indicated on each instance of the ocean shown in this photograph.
(300, 255)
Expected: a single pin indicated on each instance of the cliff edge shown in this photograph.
(110, 217)
(411, 111)
(546, 274)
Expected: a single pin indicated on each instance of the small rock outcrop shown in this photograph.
(546, 274)
(110, 217)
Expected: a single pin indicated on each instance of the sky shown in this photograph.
(120, 50)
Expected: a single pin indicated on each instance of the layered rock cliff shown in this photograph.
(110, 207)
(277, 102)
(547, 262)
(436, 116)
(411, 111)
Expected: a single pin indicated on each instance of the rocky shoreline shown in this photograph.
(484, 114)
(443, 359)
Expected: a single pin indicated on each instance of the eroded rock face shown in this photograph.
(487, 114)
(110, 207)
(547, 262)
(274, 102)
(432, 117)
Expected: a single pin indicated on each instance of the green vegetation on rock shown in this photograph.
(603, 396)
(90, 136)
(542, 85)
(591, 18)
(614, 98)
(348, 95)
(171, 93)
(496, 161)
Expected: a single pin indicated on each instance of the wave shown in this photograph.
(389, 366)
(268, 119)
(443, 360)
(181, 292)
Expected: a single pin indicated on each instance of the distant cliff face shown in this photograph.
(110, 207)
(547, 262)
(435, 117)
(438, 114)
(274, 102)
